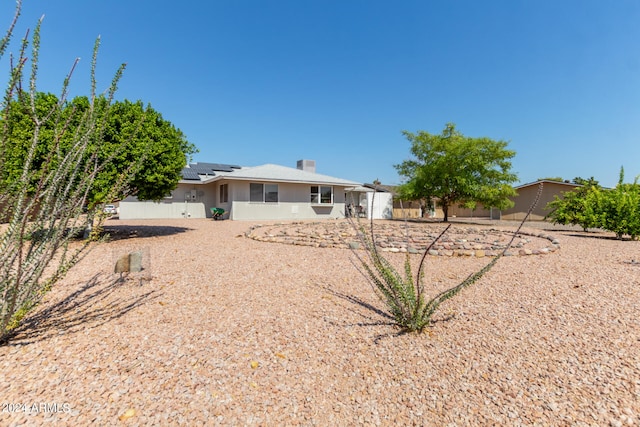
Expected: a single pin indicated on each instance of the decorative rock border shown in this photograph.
(465, 241)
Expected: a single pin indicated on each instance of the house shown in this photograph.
(266, 192)
(527, 194)
(524, 199)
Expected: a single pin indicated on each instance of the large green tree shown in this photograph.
(456, 169)
(140, 152)
(134, 131)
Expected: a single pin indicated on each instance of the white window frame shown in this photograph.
(265, 192)
(316, 196)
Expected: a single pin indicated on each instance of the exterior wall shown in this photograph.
(526, 196)
(293, 203)
(131, 208)
(380, 205)
(196, 201)
(479, 212)
(186, 201)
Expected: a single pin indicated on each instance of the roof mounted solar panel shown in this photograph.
(190, 174)
(213, 167)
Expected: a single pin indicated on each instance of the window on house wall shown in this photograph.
(263, 193)
(271, 193)
(224, 193)
(321, 194)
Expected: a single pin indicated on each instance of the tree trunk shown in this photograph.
(445, 211)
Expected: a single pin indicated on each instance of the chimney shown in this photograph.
(307, 165)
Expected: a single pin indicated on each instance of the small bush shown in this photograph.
(616, 210)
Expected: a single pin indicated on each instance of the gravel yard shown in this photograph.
(221, 329)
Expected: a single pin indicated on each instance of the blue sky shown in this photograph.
(273, 81)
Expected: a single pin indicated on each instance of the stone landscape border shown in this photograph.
(460, 240)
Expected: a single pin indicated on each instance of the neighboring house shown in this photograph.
(524, 199)
(267, 192)
(527, 194)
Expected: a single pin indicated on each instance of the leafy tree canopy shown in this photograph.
(552, 178)
(458, 169)
(591, 206)
(130, 133)
(591, 182)
(145, 134)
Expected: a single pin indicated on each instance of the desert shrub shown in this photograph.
(616, 209)
(42, 212)
(403, 294)
(620, 210)
(576, 207)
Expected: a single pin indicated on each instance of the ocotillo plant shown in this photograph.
(403, 293)
(42, 211)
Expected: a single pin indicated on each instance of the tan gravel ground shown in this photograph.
(223, 330)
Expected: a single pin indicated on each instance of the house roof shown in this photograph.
(194, 171)
(268, 172)
(548, 181)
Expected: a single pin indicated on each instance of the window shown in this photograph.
(271, 193)
(224, 193)
(321, 194)
(263, 193)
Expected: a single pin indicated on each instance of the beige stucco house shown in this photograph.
(524, 199)
(266, 192)
(527, 194)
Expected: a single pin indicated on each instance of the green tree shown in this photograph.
(579, 206)
(588, 182)
(552, 178)
(456, 169)
(141, 153)
(147, 136)
(620, 209)
(19, 125)
(591, 206)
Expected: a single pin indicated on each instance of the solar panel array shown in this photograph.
(190, 174)
(194, 170)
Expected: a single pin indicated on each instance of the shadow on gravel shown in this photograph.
(120, 232)
(587, 235)
(388, 320)
(88, 307)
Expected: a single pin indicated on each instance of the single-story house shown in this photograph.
(266, 192)
(527, 194)
(524, 199)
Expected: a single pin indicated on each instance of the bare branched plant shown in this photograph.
(402, 293)
(42, 214)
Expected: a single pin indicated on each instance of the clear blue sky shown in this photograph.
(273, 81)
